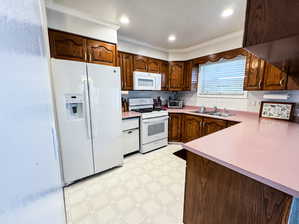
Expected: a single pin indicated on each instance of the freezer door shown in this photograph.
(73, 115)
(105, 102)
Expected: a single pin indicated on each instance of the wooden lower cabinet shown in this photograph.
(215, 194)
(192, 127)
(211, 125)
(187, 127)
(174, 127)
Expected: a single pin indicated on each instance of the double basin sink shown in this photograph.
(214, 113)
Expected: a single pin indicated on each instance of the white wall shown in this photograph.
(139, 48)
(31, 186)
(224, 43)
(69, 21)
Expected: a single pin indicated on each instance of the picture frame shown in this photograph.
(277, 110)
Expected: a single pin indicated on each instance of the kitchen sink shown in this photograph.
(214, 113)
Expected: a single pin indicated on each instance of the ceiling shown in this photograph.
(152, 21)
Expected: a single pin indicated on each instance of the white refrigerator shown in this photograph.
(88, 107)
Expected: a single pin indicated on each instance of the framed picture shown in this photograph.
(277, 110)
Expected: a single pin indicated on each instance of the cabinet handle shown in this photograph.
(282, 82)
(130, 132)
(260, 84)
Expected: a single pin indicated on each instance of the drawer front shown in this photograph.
(130, 123)
(130, 141)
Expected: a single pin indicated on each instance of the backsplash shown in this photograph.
(251, 103)
(152, 94)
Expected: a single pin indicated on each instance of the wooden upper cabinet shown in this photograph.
(176, 76)
(67, 46)
(254, 73)
(101, 52)
(174, 127)
(271, 32)
(153, 65)
(192, 127)
(125, 62)
(274, 78)
(140, 63)
(164, 73)
(188, 75)
(211, 125)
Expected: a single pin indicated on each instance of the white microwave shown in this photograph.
(146, 81)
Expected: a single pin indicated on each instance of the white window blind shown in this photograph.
(222, 78)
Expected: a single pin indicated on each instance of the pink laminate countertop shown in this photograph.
(263, 149)
(130, 114)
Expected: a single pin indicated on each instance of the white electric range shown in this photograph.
(153, 123)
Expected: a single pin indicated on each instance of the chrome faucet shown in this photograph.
(202, 109)
(215, 109)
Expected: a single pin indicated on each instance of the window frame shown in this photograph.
(244, 95)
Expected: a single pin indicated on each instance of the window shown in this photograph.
(225, 77)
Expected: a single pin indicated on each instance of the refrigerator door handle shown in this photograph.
(87, 109)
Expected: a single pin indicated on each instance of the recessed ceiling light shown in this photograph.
(124, 20)
(227, 12)
(171, 38)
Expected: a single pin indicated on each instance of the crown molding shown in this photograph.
(208, 43)
(140, 43)
(78, 14)
(183, 50)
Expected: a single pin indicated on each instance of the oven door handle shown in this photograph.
(155, 120)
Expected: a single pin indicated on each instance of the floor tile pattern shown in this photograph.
(148, 189)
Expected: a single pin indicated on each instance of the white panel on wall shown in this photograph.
(72, 24)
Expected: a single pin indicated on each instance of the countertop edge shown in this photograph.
(256, 177)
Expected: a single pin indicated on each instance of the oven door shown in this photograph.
(154, 129)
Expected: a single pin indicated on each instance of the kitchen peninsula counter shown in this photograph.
(246, 173)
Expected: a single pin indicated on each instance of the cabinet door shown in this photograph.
(192, 127)
(174, 127)
(126, 70)
(153, 65)
(188, 75)
(255, 68)
(165, 74)
(140, 63)
(211, 125)
(101, 53)
(67, 46)
(274, 78)
(176, 76)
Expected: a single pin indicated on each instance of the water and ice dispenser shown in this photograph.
(74, 105)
